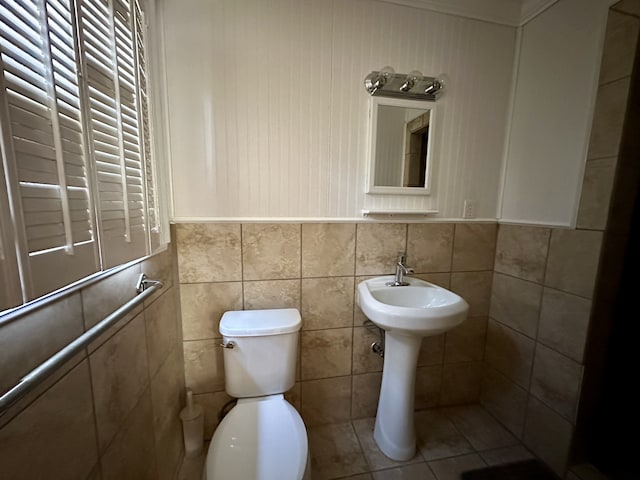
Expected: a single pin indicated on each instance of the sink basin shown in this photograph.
(420, 308)
(406, 313)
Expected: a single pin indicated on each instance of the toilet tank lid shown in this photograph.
(250, 323)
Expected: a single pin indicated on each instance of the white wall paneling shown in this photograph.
(553, 105)
(268, 113)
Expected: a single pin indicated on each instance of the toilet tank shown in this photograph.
(265, 350)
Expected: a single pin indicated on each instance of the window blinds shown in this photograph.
(73, 142)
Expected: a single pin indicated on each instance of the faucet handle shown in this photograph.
(402, 257)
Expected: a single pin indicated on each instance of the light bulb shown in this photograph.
(383, 77)
(409, 83)
(444, 81)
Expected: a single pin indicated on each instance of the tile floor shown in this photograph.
(450, 441)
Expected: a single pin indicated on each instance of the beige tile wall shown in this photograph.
(544, 279)
(539, 315)
(112, 412)
(315, 267)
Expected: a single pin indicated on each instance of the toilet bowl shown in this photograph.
(263, 436)
(260, 438)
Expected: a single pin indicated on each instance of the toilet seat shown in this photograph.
(261, 438)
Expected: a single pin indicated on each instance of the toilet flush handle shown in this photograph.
(228, 345)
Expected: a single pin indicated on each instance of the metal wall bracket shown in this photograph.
(143, 283)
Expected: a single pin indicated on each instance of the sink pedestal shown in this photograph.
(395, 431)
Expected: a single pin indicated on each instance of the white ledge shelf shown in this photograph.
(399, 213)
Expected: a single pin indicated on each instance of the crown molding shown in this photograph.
(513, 13)
(532, 8)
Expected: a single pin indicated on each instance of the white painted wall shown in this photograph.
(268, 113)
(555, 92)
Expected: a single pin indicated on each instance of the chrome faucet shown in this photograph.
(401, 271)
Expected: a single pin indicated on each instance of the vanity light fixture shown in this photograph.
(413, 85)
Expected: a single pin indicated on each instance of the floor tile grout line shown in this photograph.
(474, 451)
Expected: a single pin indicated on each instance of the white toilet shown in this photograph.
(262, 437)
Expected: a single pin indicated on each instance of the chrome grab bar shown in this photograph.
(145, 289)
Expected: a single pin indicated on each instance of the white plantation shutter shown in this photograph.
(107, 40)
(149, 175)
(76, 154)
(44, 148)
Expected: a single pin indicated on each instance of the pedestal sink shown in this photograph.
(406, 314)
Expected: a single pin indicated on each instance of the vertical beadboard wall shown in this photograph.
(268, 115)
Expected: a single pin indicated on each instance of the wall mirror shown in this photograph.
(401, 146)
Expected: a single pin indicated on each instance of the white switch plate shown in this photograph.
(470, 209)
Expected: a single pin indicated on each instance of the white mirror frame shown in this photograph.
(371, 188)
